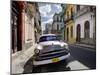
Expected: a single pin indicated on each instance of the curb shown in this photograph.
(85, 47)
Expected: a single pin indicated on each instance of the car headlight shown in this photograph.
(36, 51)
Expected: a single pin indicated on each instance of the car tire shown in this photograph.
(36, 69)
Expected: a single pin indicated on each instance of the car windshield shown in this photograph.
(48, 38)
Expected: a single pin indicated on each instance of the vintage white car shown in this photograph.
(50, 50)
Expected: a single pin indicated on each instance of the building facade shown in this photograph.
(29, 14)
(69, 24)
(57, 25)
(26, 25)
(17, 25)
(48, 28)
(85, 24)
(38, 30)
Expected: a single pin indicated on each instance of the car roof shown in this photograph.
(48, 35)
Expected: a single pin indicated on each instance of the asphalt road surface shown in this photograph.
(80, 59)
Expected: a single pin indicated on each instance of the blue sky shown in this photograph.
(47, 10)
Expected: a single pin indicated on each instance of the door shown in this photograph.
(78, 33)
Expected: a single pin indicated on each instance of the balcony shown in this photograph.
(83, 11)
(69, 18)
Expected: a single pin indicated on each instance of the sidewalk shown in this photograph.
(20, 58)
(85, 45)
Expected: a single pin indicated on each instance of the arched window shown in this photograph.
(72, 31)
(67, 14)
(78, 33)
(67, 34)
(78, 7)
(86, 29)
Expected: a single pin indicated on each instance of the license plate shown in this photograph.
(55, 60)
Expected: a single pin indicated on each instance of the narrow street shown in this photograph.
(47, 31)
(85, 56)
(81, 59)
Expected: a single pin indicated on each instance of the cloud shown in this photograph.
(49, 16)
(47, 12)
(58, 6)
(44, 10)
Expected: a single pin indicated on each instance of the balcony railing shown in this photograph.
(83, 11)
(69, 18)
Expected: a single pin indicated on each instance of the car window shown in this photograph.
(48, 38)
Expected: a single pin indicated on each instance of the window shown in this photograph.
(67, 14)
(48, 38)
(71, 12)
(56, 18)
(57, 27)
(67, 34)
(71, 31)
(86, 29)
(78, 7)
(78, 33)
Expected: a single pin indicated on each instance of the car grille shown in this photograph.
(52, 54)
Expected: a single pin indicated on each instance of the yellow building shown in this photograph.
(69, 24)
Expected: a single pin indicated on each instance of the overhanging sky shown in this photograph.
(47, 10)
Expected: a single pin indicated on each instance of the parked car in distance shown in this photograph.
(50, 50)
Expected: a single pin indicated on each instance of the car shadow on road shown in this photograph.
(28, 66)
(55, 67)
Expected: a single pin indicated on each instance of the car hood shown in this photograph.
(52, 43)
(49, 46)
